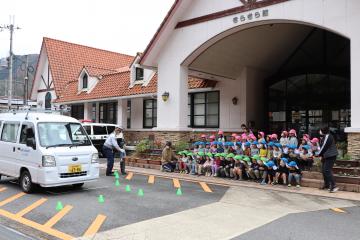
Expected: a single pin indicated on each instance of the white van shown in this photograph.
(46, 149)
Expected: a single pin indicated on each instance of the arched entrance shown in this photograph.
(48, 99)
(286, 74)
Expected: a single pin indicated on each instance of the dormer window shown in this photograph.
(139, 74)
(85, 81)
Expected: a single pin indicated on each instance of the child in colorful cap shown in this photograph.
(254, 149)
(208, 163)
(253, 170)
(247, 151)
(294, 173)
(182, 162)
(284, 139)
(237, 171)
(229, 165)
(216, 164)
(306, 158)
(277, 153)
(221, 169)
(200, 163)
(221, 137)
(282, 172)
(271, 171)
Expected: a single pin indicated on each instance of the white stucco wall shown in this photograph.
(342, 17)
(136, 113)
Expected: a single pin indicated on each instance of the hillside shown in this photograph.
(18, 74)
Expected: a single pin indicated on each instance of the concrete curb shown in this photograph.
(232, 183)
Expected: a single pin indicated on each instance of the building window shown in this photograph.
(150, 113)
(128, 114)
(77, 111)
(48, 99)
(139, 72)
(93, 112)
(108, 112)
(203, 110)
(85, 81)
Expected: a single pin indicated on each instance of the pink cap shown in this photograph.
(212, 137)
(314, 140)
(220, 132)
(234, 135)
(243, 136)
(238, 138)
(262, 134)
(252, 136)
(274, 136)
(285, 133)
(203, 136)
(293, 131)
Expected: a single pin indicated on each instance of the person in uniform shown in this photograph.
(108, 149)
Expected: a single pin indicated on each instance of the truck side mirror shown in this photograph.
(30, 142)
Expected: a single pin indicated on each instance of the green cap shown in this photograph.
(238, 157)
(189, 154)
(180, 153)
(223, 154)
(218, 155)
(230, 155)
(256, 157)
(201, 154)
(209, 155)
(246, 159)
(264, 159)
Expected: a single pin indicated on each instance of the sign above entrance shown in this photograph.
(251, 16)
(247, 5)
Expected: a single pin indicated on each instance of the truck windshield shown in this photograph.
(56, 134)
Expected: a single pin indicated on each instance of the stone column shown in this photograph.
(172, 114)
(354, 130)
(121, 113)
(87, 111)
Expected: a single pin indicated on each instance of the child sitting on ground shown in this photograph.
(294, 173)
(253, 170)
(208, 163)
(282, 172)
(271, 172)
(215, 165)
(200, 163)
(237, 171)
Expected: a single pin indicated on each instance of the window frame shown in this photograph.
(28, 125)
(78, 109)
(84, 79)
(206, 103)
(138, 76)
(128, 114)
(105, 112)
(16, 135)
(153, 118)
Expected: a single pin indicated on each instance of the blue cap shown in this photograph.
(229, 144)
(292, 164)
(239, 143)
(307, 147)
(271, 144)
(220, 144)
(285, 160)
(291, 146)
(270, 164)
(263, 141)
(255, 142)
(207, 143)
(247, 144)
(278, 145)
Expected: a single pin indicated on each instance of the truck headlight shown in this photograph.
(95, 158)
(48, 161)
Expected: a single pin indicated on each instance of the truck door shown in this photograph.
(9, 136)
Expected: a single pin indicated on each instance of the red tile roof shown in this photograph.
(117, 85)
(67, 59)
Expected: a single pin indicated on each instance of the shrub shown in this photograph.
(143, 146)
(181, 145)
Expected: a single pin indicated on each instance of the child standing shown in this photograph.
(254, 150)
(294, 173)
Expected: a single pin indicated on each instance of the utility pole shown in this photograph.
(11, 28)
(26, 78)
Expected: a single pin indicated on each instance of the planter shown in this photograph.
(142, 161)
(155, 162)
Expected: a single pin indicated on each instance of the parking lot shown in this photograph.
(82, 213)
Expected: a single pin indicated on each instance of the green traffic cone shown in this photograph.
(179, 192)
(116, 174)
(117, 183)
(128, 188)
(101, 199)
(141, 193)
(59, 206)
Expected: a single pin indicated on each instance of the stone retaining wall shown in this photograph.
(354, 145)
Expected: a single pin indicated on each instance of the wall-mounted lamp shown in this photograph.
(235, 100)
(165, 96)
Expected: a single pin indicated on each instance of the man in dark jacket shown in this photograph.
(328, 152)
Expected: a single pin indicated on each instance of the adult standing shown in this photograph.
(108, 149)
(328, 153)
(168, 158)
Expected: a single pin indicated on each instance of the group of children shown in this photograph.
(265, 159)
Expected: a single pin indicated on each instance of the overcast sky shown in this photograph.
(124, 26)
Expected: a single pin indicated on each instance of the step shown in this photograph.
(338, 178)
(347, 163)
(314, 183)
(144, 165)
(354, 171)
